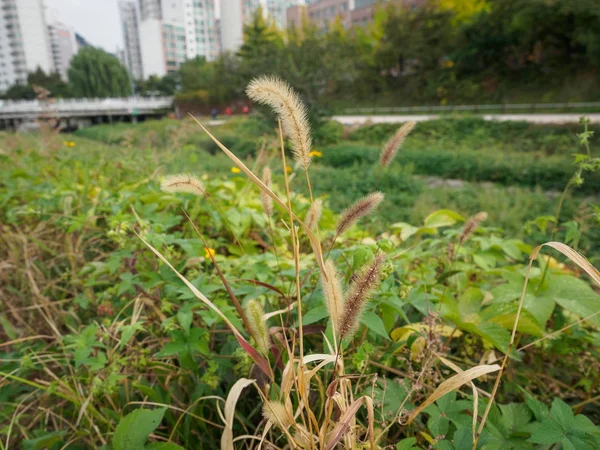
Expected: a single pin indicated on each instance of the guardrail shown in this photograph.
(531, 107)
(83, 106)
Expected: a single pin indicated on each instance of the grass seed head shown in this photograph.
(394, 143)
(361, 208)
(333, 293)
(277, 413)
(256, 317)
(290, 110)
(183, 182)
(267, 201)
(357, 296)
(314, 214)
(471, 226)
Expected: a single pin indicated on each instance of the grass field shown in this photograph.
(105, 347)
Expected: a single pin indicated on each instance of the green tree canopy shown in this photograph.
(95, 73)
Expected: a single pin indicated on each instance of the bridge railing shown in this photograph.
(85, 104)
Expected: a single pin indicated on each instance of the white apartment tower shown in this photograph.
(172, 31)
(63, 47)
(24, 41)
(234, 14)
(131, 37)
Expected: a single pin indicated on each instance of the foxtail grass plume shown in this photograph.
(183, 182)
(256, 319)
(361, 208)
(286, 103)
(277, 413)
(357, 296)
(394, 143)
(267, 201)
(314, 214)
(334, 297)
(471, 226)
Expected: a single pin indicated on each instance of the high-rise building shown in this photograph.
(234, 14)
(131, 37)
(324, 12)
(24, 42)
(150, 9)
(172, 31)
(63, 46)
(163, 47)
(277, 11)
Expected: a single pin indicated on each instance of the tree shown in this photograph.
(95, 73)
(167, 85)
(52, 82)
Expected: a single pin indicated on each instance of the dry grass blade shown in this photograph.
(475, 394)
(453, 383)
(394, 143)
(574, 256)
(315, 244)
(232, 398)
(286, 103)
(345, 420)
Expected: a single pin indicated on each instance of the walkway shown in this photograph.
(533, 118)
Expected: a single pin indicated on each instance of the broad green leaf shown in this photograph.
(548, 432)
(442, 218)
(133, 429)
(184, 317)
(463, 438)
(562, 413)
(374, 323)
(314, 315)
(574, 295)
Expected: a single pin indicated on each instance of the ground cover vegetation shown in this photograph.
(161, 292)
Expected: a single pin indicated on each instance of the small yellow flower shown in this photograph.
(208, 252)
(235, 170)
(66, 143)
(288, 169)
(316, 153)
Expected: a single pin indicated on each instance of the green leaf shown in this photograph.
(375, 324)
(463, 438)
(574, 295)
(407, 444)
(562, 413)
(540, 411)
(442, 218)
(314, 315)
(548, 432)
(184, 317)
(163, 446)
(46, 441)
(134, 428)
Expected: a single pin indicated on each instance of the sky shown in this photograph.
(96, 20)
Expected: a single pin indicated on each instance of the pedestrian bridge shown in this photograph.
(94, 110)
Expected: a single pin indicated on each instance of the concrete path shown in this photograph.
(533, 118)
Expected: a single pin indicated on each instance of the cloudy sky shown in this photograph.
(96, 20)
